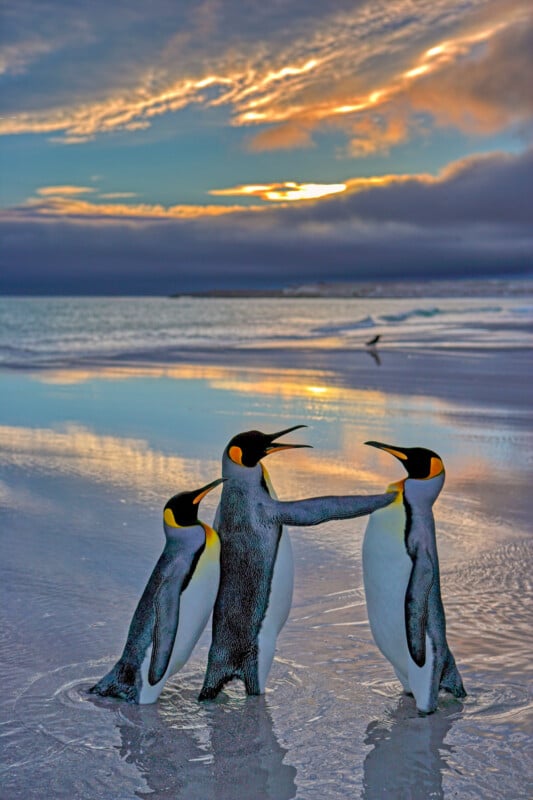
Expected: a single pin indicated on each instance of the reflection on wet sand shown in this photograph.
(123, 462)
(248, 759)
(374, 355)
(319, 386)
(407, 759)
(223, 751)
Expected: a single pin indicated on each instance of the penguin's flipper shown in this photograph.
(166, 612)
(416, 604)
(323, 509)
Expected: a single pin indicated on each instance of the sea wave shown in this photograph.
(433, 312)
(45, 330)
(328, 330)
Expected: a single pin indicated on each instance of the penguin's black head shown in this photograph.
(181, 511)
(420, 463)
(247, 449)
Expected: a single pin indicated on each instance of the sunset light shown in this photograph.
(284, 133)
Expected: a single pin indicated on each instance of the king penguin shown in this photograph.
(174, 607)
(402, 582)
(256, 563)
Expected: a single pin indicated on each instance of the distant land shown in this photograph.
(483, 287)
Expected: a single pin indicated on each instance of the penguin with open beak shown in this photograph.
(174, 607)
(402, 581)
(256, 562)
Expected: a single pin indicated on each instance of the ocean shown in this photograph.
(38, 331)
(110, 406)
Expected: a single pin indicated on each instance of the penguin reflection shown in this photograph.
(248, 759)
(408, 755)
(169, 760)
(239, 757)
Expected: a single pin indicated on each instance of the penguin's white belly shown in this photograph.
(279, 606)
(196, 604)
(386, 571)
(421, 678)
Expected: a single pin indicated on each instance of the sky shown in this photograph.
(153, 148)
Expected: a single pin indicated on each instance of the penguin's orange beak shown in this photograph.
(419, 462)
(394, 451)
(206, 489)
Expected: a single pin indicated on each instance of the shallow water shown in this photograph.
(55, 330)
(88, 457)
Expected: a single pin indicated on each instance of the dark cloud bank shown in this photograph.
(476, 221)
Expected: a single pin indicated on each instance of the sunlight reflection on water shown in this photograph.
(88, 458)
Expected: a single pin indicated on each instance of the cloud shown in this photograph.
(487, 188)
(281, 137)
(368, 69)
(64, 202)
(15, 58)
(287, 191)
(476, 82)
(62, 191)
(476, 218)
(485, 88)
(117, 195)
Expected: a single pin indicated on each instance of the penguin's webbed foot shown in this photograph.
(128, 694)
(457, 691)
(208, 693)
(451, 680)
(423, 713)
(114, 685)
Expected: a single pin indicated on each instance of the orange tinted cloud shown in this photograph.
(64, 191)
(377, 133)
(282, 137)
(483, 92)
(288, 191)
(354, 65)
(63, 201)
(475, 82)
(117, 195)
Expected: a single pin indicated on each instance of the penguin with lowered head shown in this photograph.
(174, 607)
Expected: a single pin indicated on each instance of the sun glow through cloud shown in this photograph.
(288, 191)
(342, 141)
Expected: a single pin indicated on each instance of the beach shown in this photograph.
(98, 430)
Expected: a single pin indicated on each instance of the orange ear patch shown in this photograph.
(168, 516)
(211, 536)
(235, 453)
(436, 467)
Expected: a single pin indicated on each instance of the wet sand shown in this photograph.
(88, 456)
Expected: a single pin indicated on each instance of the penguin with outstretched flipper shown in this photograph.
(256, 564)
